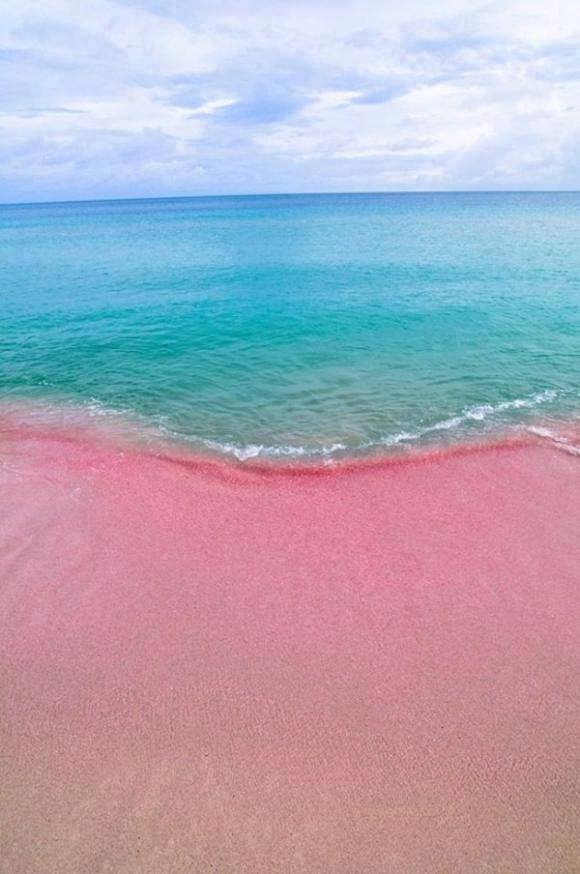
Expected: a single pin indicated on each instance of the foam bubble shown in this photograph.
(557, 440)
(129, 423)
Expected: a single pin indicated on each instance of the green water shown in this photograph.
(297, 324)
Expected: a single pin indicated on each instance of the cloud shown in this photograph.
(127, 98)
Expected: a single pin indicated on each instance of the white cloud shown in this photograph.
(112, 97)
(147, 42)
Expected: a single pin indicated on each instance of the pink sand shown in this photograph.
(204, 668)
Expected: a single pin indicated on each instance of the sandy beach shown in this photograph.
(207, 667)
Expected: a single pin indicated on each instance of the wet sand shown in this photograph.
(208, 668)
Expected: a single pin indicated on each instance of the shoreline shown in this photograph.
(118, 431)
(335, 673)
(92, 420)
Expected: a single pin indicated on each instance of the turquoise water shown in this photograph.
(297, 324)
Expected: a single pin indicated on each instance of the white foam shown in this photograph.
(557, 440)
(159, 428)
(480, 412)
(255, 450)
(477, 413)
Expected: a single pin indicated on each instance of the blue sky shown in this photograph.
(104, 98)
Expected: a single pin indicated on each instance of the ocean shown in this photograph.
(298, 326)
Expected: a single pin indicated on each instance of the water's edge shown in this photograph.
(95, 423)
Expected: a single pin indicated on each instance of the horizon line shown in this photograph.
(383, 193)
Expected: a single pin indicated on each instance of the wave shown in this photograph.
(129, 424)
(557, 440)
(477, 413)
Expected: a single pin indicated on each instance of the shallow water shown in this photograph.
(298, 325)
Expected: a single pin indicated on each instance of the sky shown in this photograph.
(138, 98)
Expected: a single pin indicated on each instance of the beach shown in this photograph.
(289, 437)
(209, 666)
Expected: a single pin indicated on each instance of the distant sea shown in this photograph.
(297, 326)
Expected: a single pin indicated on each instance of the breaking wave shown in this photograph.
(472, 420)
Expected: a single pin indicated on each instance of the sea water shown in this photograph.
(297, 325)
